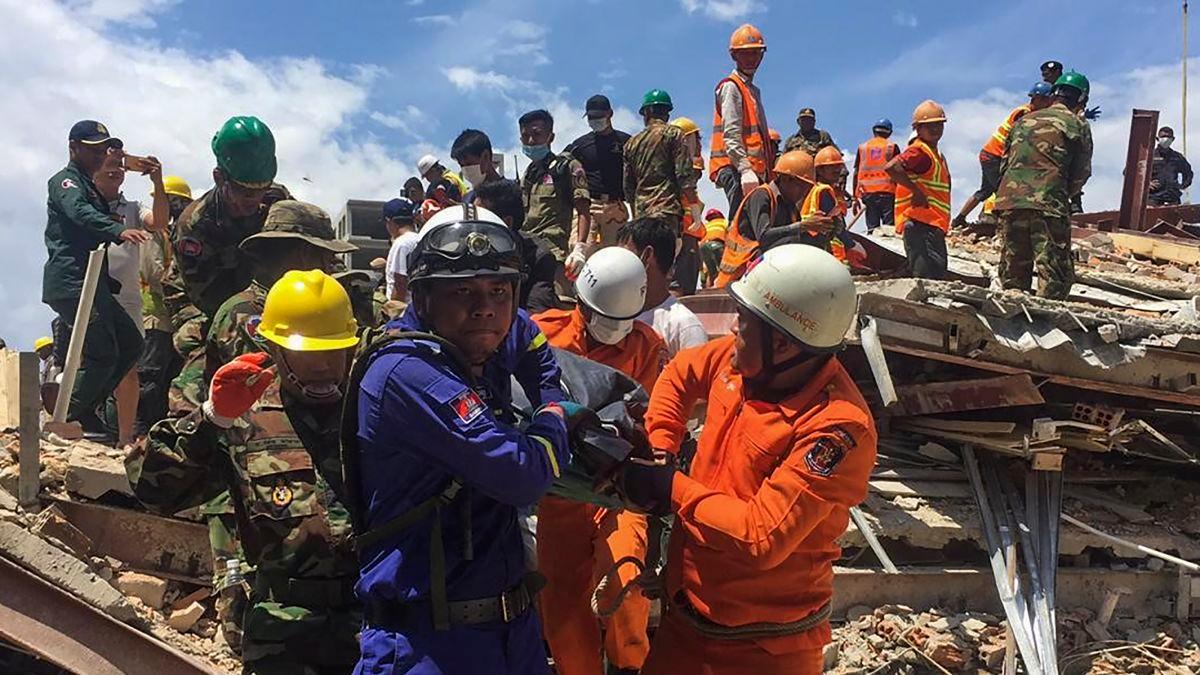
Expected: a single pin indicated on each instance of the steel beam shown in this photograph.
(65, 631)
(1137, 170)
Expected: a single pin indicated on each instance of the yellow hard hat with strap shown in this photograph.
(308, 311)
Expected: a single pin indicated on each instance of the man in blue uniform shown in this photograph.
(441, 474)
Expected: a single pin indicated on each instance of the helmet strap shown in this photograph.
(758, 386)
(280, 357)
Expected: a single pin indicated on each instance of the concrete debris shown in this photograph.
(94, 470)
(184, 619)
(150, 590)
(51, 523)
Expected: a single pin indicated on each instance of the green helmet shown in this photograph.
(1073, 79)
(657, 97)
(245, 151)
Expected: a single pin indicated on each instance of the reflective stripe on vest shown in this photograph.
(873, 156)
(753, 136)
(715, 229)
(812, 202)
(935, 183)
(995, 144)
(739, 249)
(458, 181)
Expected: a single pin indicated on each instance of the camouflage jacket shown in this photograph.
(658, 170)
(206, 264)
(1047, 160)
(819, 138)
(232, 330)
(286, 482)
(549, 190)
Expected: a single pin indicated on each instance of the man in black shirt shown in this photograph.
(602, 154)
(1170, 172)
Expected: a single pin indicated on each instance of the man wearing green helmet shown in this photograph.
(207, 267)
(1047, 161)
(659, 177)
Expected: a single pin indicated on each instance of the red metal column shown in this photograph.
(1137, 170)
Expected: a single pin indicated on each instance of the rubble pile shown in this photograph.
(895, 639)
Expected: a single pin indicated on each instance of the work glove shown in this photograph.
(697, 213)
(236, 386)
(749, 182)
(645, 484)
(576, 259)
(1092, 113)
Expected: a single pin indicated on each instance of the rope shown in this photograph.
(601, 587)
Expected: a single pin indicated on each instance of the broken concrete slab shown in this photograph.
(94, 470)
(182, 620)
(149, 589)
(51, 523)
(63, 570)
(7, 501)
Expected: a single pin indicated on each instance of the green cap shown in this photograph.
(657, 97)
(291, 219)
(245, 151)
(1073, 79)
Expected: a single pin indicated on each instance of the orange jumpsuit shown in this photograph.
(578, 543)
(756, 520)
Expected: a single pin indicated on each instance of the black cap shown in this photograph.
(599, 104)
(92, 133)
(807, 112)
(399, 209)
(1166, 131)
(1052, 65)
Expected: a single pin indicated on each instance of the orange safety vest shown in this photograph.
(935, 183)
(995, 144)
(738, 249)
(873, 156)
(811, 207)
(760, 153)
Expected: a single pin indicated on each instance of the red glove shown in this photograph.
(236, 386)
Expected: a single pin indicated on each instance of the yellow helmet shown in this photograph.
(41, 342)
(686, 125)
(308, 312)
(928, 111)
(174, 185)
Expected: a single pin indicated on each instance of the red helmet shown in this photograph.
(713, 213)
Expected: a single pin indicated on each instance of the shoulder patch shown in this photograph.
(252, 323)
(68, 184)
(190, 247)
(828, 452)
(468, 406)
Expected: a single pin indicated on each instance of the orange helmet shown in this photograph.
(928, 111)
(774, 135)
(829, 156)
(797, 164)
(747, 37)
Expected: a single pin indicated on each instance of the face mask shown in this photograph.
(598, 125)
(536, 153)
(608, 331)
(1165, 143)
(473, 174)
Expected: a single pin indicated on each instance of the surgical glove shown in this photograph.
(697, 213)
(645, 484)
(236, 386)
(578, 256)
(749, 182)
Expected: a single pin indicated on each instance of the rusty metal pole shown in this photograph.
(1137, 169)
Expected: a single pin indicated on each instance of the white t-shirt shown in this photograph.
(397, 259)
(124, 261)
(678, 326)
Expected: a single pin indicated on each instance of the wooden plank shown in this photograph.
(1149, 247)
(974, 394)
(10, 388)
(965, 426)
(28, 480)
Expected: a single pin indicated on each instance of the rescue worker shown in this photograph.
(826, 199)
(437, 477)
(776, 141)
(445, 186)
(472, 149)
(601, 151)
(923, 194)
(160, 363)
(874, 189)
(1047, 161)
(660, 179)
(771, 214)
(295, 236)
(48, 372)
(687, 263)
(552, 188)
(741, 156)
(279, 436)
(788, 449)
(808, 137)
(579, 543)
(653, 242)
(1051, 71)
(713, 246)
(1170, 172)
(80, 220)
(993, 151)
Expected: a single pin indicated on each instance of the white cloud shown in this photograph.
(133, 12)
(410, 120)
(414, 3)
(165, 102)
(904, 18)
(723, 10)
(434, 20)
(470, 79)
(614, 74)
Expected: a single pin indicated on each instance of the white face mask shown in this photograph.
(1165, 142)
(474, 174)
(598, 125)
(608, 331)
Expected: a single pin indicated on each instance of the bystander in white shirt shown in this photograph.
(397, 260)
(124, 261)
(677, 325)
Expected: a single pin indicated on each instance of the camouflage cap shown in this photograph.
(291, 219)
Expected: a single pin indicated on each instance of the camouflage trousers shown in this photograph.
(1030, 238)
(286, 639)
(189, 389)
(225, 544)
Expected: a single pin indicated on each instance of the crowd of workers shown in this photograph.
(370, 484)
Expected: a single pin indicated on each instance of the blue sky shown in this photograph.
(355, 92)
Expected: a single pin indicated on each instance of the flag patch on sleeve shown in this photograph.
(828, 452)
(468, 406)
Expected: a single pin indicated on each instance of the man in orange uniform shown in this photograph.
(993, 151)
(787, 449)
(874, 190)
(713, 246)
(578, 543)
(770, 214)
(923, 194)
(827, 199)
(742, 155)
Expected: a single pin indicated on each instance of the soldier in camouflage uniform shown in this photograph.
(1047, 161)
(279, 438)
(554, 187)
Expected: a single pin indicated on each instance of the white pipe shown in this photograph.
(83, 312)
(1188, 565)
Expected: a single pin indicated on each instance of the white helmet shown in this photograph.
(612, 283)
(460, 213)
(802, 291)
(426, 163)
